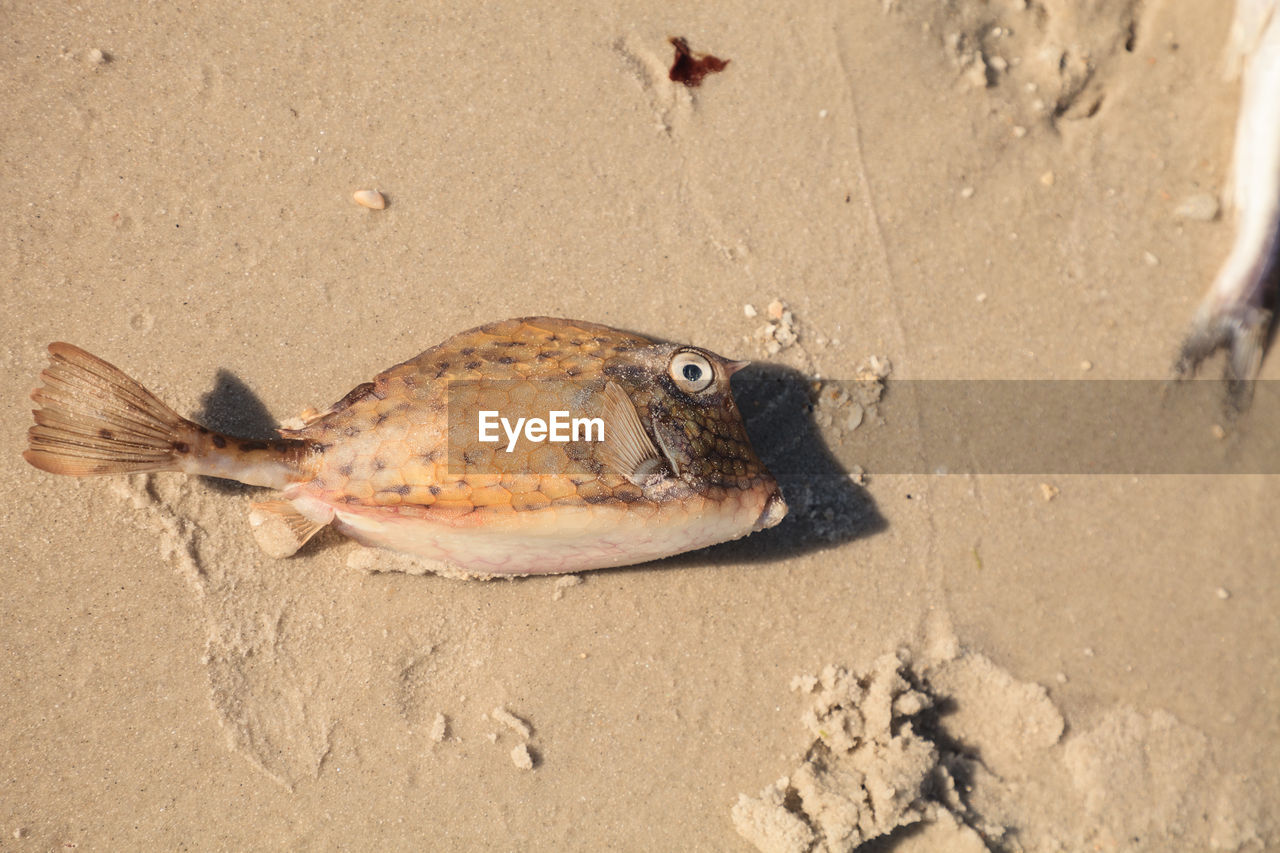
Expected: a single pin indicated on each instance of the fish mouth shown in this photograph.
(775, 509)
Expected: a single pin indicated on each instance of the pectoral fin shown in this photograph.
(280, 529)
(627, 448)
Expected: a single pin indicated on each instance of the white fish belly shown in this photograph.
(559, 539)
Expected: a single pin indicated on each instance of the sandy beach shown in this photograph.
(876, 192)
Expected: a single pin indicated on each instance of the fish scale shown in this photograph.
(671, 470)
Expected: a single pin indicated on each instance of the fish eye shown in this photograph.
(691, 372)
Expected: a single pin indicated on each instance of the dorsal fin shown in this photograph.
(627, 448)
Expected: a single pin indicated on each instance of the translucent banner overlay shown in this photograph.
(1026, 427)
(800, 427)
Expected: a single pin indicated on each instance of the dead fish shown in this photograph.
(405, 462)
(1233, 315)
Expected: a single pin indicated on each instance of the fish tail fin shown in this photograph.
(93, 419)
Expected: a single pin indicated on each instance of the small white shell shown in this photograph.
(371, 199)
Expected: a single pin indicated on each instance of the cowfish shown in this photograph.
(453, 455)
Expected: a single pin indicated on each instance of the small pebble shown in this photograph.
(854, 420)
(1201, 207)
(96, 57)
(873, 367)
(1061, 678)
(981, 297)
(804, 683)
(1218, 432)
(977, 72)
(371, 199)
(1223, 593)
(521, 757)
(511, 721)
(1048, 491)
(440, 728)
(1086, 365)
(20, 832)
(1151, 260)
(780, 333)
(1047, 179)
(562, 583)
(967, 192)
(1019, 131)
(749, 310)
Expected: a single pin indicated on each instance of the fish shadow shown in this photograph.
(826, 507)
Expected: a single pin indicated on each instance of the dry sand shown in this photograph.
(964, 190)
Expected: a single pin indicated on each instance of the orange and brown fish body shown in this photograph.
(404, 462)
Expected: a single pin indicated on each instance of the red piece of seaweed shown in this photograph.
(689, 68)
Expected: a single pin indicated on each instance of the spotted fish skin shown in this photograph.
(675, 470)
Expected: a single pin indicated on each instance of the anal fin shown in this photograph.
(280, 530)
